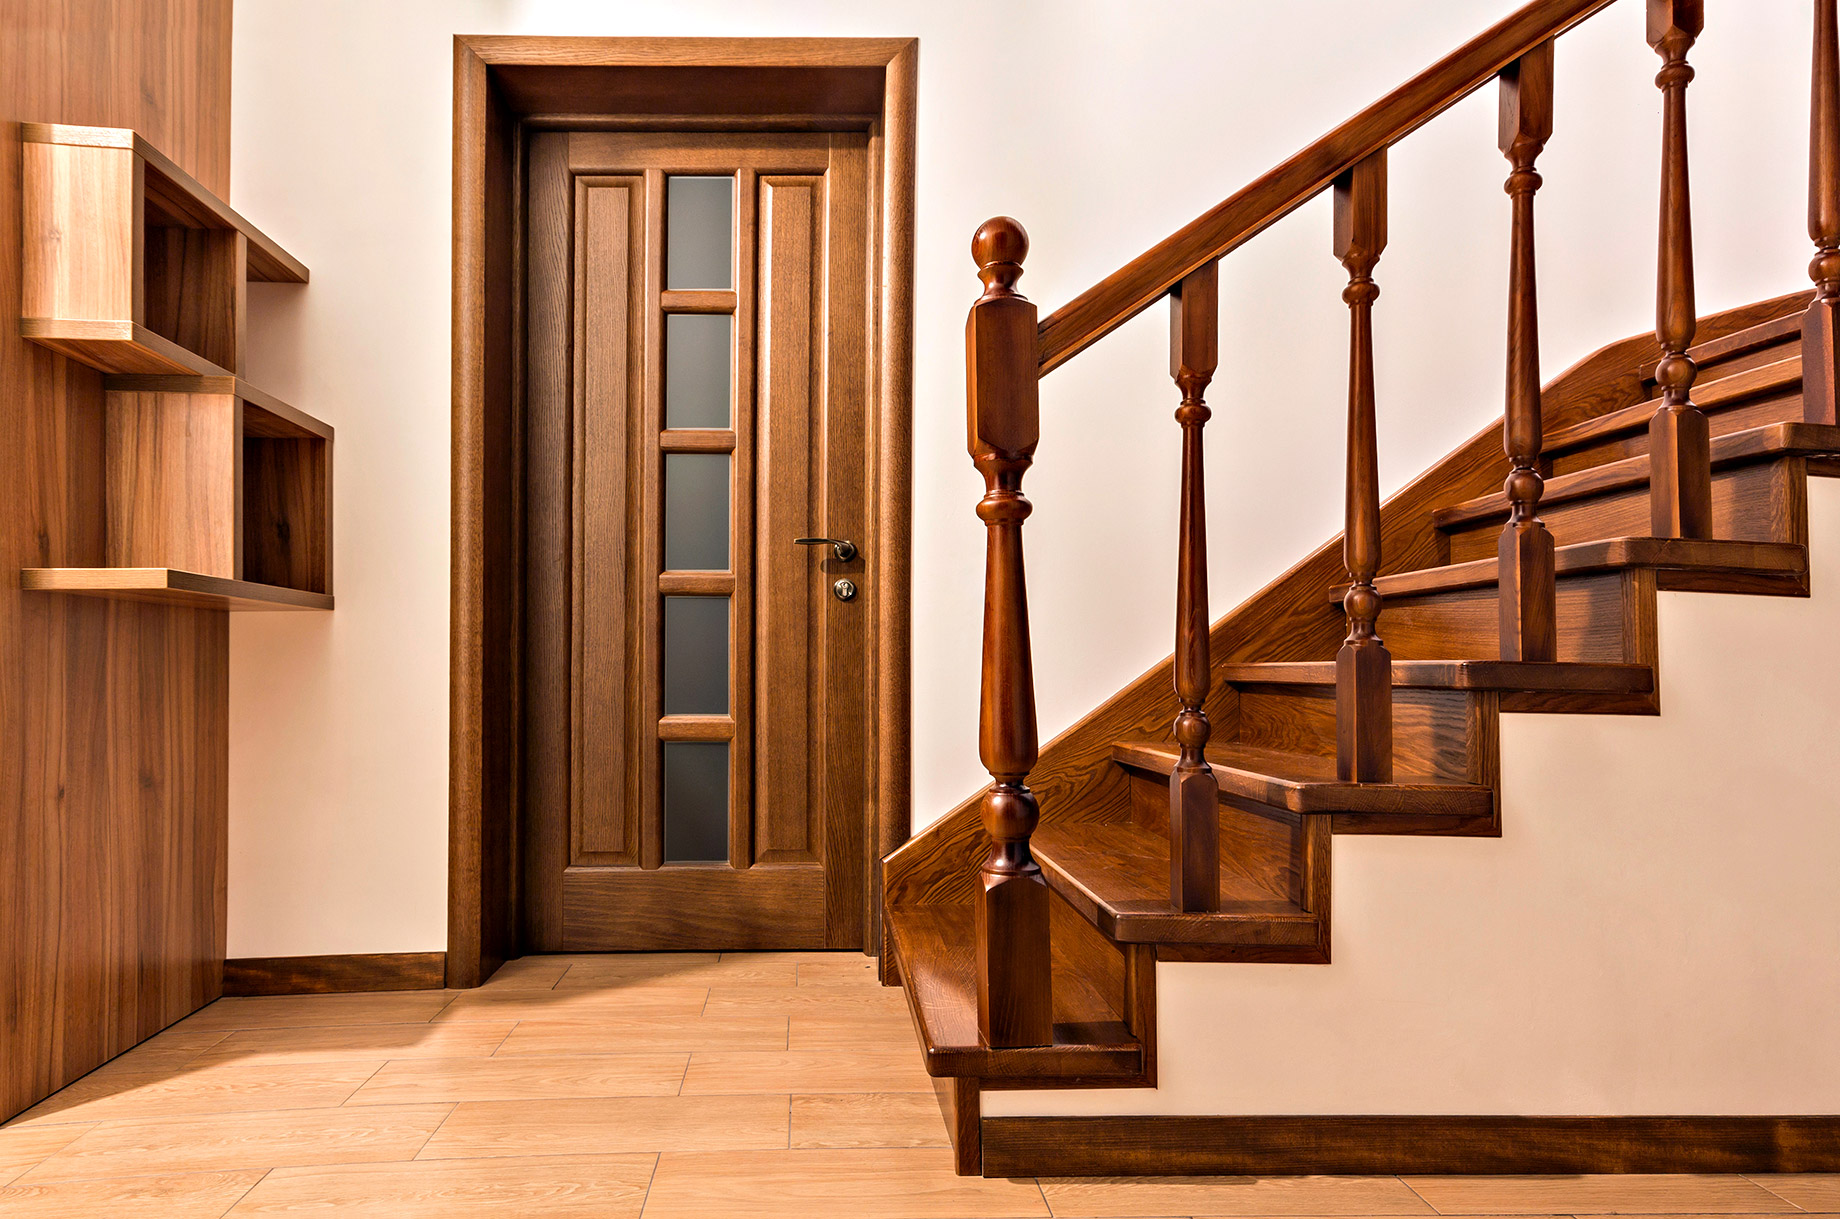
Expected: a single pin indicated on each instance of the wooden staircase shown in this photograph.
(1192, 817)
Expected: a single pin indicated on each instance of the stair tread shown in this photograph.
(1534, 676)
(1608, 554)
(1117, 875)
(1771, 439)
(936, 952)
(1306, 782)
(1712, 393)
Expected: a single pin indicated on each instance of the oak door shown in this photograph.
(696, 676)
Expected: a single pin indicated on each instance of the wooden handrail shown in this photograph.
(1146, 279)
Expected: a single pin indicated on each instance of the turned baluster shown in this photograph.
(1002, 385)
(1679, 441)
(1821, 325)
(1528, 584)
(1363, 668)
(1194, 795)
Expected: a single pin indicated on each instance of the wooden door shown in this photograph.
(702, 783)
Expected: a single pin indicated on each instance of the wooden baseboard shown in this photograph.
(1301, 1145)
(325, 975)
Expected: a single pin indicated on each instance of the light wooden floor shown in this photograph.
(751, 1084)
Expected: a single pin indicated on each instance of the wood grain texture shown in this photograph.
(172, 466)
(325, 974)
(498, 97)
(1285, 1145)
(165, 586)
(113, 715)
(483, 671)
(1002, 411)
(936, 954)
(589, 1187)
(865, 1184)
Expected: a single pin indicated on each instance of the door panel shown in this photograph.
(715, 685)
(787, 816)
(609, 263)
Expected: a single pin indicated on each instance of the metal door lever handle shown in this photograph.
(843, 548)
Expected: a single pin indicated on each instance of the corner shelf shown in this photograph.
(132, 266)
(170, 587)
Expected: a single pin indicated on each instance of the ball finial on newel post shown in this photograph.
(998, 247)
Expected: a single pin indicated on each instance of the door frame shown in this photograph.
(505, 86)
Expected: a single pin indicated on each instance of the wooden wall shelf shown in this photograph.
(132, 266)
(170, 587)
(215, 494)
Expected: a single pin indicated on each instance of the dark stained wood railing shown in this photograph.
(1194, 794)
(1529, 584)
(1363, 668)
(1003, 419)
(1679, 438)
(1821, 328)
(1008, 352)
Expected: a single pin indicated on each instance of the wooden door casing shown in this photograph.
(593, 860)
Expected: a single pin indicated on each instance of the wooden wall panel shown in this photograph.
(113, 715)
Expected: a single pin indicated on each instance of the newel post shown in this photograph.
(1821, 326)
(1002, 384)
(1679, 438)
(1363, 668)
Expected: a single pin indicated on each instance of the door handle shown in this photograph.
(843, 548)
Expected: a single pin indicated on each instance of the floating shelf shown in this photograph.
(170, 587)
(132, 266)
(215, 493)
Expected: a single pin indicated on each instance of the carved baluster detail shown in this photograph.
(1528, 583)
(1363, 668)
(1194, 795)
(1821, 326)
(1679, 441)
(1002, 385)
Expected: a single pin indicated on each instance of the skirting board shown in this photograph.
(325, 975)
(1302, 1145)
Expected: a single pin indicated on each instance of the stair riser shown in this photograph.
(1780, 407)
(1602, 616)
(1755, 502)
(1265, 846)
(1432, 729)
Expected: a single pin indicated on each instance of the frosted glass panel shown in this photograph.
(696, 655)
(699, 232)
(695, 801)
(696, 351)
(696, 511)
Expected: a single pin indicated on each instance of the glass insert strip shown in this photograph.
(699, 232)
(696, 801)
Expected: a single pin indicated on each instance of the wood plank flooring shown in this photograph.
(637, 1087)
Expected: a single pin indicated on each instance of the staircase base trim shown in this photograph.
(1394, 1145)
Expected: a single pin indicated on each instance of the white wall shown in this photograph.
(1102, 126)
